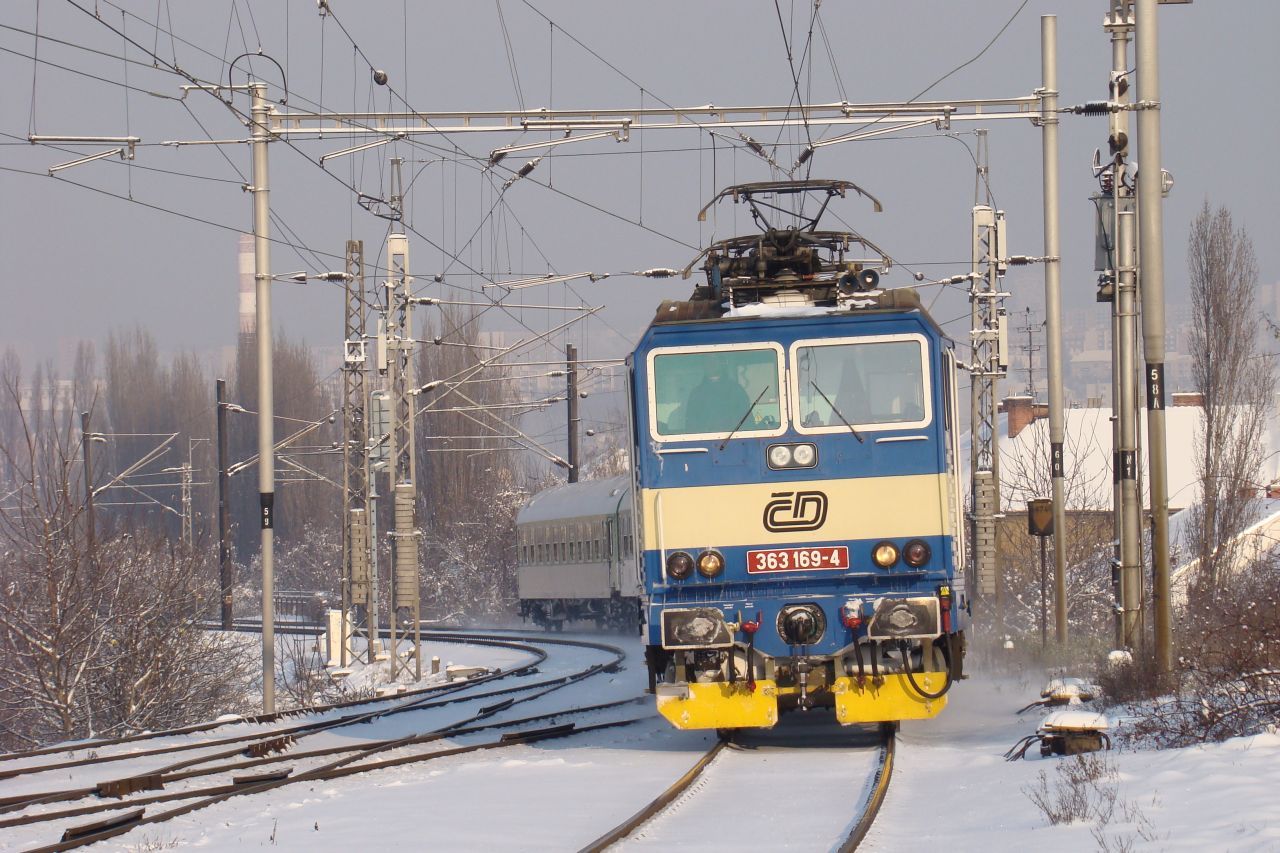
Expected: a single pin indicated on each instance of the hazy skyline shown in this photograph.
(82, 263)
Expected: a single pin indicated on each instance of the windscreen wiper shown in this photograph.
(842, 418)
(744, 417)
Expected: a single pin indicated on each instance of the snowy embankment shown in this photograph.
(952, 787)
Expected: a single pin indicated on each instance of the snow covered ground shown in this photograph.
(951, 788)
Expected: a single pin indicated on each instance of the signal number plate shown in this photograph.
(798, 559)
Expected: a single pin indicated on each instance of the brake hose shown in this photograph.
(906, 667)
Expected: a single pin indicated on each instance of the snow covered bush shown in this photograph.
(1084, 789)
(1227, 677)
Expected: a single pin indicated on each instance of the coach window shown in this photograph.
(869, 383)
(699, 393)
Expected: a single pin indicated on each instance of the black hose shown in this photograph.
(906, 667)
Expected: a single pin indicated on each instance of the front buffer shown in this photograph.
(722, 680)
(884, 698)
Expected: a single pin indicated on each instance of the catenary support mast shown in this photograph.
(987, 365)
(1151, 257)
(226, 571)
(261, 117)
(571, 385)
(1053, 313)
(355, 443)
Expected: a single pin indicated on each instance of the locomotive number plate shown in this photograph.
(797, 559)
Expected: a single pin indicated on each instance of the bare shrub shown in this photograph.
(301, 672)
(160, 667)
(1131, 680)
(1084, 788)
(306, 681)
(1228, 679)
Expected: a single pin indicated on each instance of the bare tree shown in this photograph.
(159, 667)
(54, 607)
(469, 471)
(1238, 384)
(93, 639)
(1089, 534)
(609, 452)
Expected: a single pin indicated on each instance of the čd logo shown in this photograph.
(790, 511)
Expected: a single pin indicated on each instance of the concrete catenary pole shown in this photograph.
(1123, 269)
(226, 572)
(571, 358)
(1151, 258)
(402, 465)
(1053, 312)
(260, 114)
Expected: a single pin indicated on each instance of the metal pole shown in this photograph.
(1151, 248)
(1044, 597)
(355, 462)
(226, 576)
(983, 361)
(266, 403)
(187, 509)
(1053, 312)
(571, 356)
(373, 633)
(1131, 501)
(86, 453)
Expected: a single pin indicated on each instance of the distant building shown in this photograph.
(1087, 446)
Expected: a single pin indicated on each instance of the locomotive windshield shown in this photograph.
(862, 383)
(716, 392)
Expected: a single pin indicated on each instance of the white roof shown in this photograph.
(1024, 459)
(586, 499)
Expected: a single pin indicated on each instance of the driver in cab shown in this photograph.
(717, 402)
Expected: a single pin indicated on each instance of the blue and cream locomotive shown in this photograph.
(796, 505)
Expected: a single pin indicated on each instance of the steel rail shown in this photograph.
(870, 808)
(163, 779)
(659, 803)
(879, 789)
(196, 728)
(335, 770)
(421, 699)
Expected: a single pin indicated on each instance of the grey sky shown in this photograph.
(79, 263)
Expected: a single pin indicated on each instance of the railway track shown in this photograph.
(11, 765)
(712, 777)
(269, 750)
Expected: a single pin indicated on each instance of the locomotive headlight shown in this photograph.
(804, 455)
(679, 565)
(916, 553)
(885, 554)
(710, 564)
(779, 456)
(792, 455)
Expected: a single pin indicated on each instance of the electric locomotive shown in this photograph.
(797, 510)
